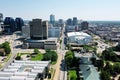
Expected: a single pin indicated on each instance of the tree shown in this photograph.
(36, 51)
(68, 53)
(108, 54)
(69, 58)
(68, 46)
(96, 43)
(117, 48)
(93, 59)
(6, 46)
(104, 75)
(109, 68)
(50, 55)
(116, 67)
(100, 64)
(119, 78)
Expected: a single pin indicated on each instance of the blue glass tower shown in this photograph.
(69, 22)
(9, 25)
(75, 22)
(52, 19)
(19, 23)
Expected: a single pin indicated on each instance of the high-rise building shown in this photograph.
(19, 23)
(69, 22)
(45, 29)
(1, 17)
(26, 31)
(9, 25)
(75, 22)
(52, 19)
(1, 22)
(54, 32)
(84, 25)
(38, 29)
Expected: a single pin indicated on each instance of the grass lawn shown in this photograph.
(72, 75)
(37, 57)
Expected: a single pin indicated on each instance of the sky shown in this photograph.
(62, 9)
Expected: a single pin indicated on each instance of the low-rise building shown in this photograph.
(50, 43)
(87, 70)
(54, 32)
(25, 70)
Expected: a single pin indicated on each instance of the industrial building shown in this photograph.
(25, 70)
(80, 38)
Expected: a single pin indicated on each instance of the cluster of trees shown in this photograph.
(70, 60)
(116, 48)
(109, 54)
(6, 46)
(72, 64)
(98, 63)
(110, 70)
(50, 55)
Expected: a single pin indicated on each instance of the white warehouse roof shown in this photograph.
(81, 34)
(23, 70)
(79, 38)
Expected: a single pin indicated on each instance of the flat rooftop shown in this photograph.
(23, 70)
(49, 39)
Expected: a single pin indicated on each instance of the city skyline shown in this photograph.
(63, 9)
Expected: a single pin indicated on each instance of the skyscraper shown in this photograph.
(69, 22)
(1, 17)
(38, 29)
(84, 25)
(9, 25)
(1, 21)
(45, 29)
(19, 23)
(75, 22)
(52, 19)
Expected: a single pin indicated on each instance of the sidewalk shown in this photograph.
(57, 66)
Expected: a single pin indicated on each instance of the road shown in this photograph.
(63, 70)
(13, 53)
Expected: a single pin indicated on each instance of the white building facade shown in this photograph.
(26, 31)
(54, 32)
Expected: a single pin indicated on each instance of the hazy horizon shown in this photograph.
(102, 10)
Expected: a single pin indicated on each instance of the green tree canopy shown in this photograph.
(108, 54)
(36, 51)
(6, 46)
(50, 55)
(104, 75)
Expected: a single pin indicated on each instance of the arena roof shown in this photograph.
(77, 34)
